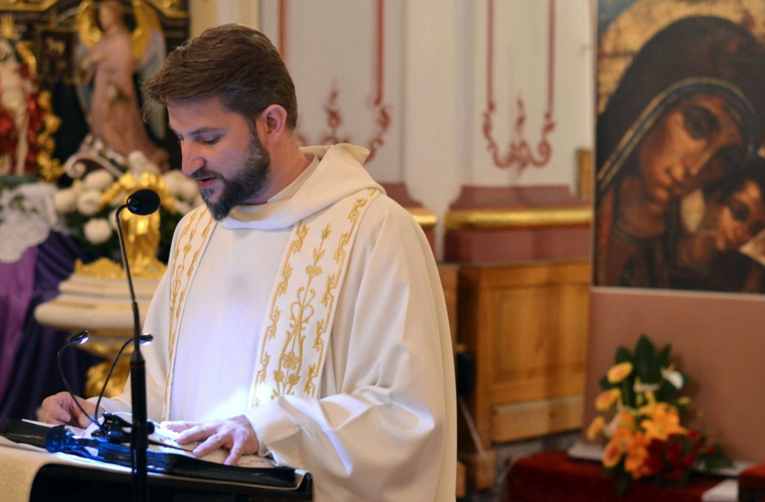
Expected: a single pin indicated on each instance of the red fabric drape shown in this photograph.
(553, 477)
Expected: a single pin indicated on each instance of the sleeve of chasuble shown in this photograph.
(384, 428)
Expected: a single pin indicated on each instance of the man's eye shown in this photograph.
(209, 141)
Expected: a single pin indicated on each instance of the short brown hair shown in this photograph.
(236, 63)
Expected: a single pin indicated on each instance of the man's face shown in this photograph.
(222, 152)
(693, 143)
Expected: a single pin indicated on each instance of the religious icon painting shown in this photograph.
(680, 177)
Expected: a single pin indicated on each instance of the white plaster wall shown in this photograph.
(332, 43)
(435, 72)
(436, 119)
(521, 42)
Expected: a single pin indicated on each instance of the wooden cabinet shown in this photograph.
(527, 327)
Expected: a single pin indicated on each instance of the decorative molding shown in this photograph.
(334, 119)
(585, 167)
(495, 219)
(517, 224)
(426, 218)
(538, 196)
(520, 151)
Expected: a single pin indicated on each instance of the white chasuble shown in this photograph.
(320, 317)
(295, 333)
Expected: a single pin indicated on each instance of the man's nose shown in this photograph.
(190, 160)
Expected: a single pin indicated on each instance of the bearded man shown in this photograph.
(301, 316)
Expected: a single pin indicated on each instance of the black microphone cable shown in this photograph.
(76, 339)
(145, 339)
(80, 339)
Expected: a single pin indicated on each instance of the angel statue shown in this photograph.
(115, 54)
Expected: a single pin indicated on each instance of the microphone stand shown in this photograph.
(140, 430)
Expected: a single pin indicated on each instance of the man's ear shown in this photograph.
(275, 119)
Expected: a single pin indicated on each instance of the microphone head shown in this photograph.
(143, 202)
(79, 338)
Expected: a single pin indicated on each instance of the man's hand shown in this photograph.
(62, 410)
(236, 434)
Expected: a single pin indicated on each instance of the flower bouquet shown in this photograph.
(641, 422)
(88, 207)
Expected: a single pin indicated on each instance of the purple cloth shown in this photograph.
(16, 286)
(34, 374)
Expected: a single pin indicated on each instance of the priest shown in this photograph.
(301, 316)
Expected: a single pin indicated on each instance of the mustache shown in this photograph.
(203, 173)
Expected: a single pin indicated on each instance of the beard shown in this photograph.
(252, 179)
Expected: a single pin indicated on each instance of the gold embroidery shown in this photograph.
(178, 290)
(328, 299)
(301, 312)
(301, 230)
(302, 339)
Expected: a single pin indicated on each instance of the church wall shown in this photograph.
(426, 64)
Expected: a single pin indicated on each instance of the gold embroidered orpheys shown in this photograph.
(188, 248)
(274, 314)
(299, 363)
(328, 298)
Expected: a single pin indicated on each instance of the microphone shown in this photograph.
(76, 339)
(82, 338)
(142, 202)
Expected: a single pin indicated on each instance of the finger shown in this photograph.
(235, 455)
(82, 420)
(56, 413)
(50, 420)
(198, 433)
(178, 426)
(214, 442)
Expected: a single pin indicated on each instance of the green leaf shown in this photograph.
(628, 395)
(665, 392)
(623, 355)
(663, 357)
(645, 360)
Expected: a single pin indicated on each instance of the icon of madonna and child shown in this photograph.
(680, 173)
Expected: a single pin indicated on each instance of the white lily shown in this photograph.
(673, 377)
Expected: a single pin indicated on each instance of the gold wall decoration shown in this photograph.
(27, 5)
(502, 219)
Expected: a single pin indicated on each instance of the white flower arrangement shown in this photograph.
(65, 201)
(89, 202)
(88, 214)
(97, 230)
(98, 180)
